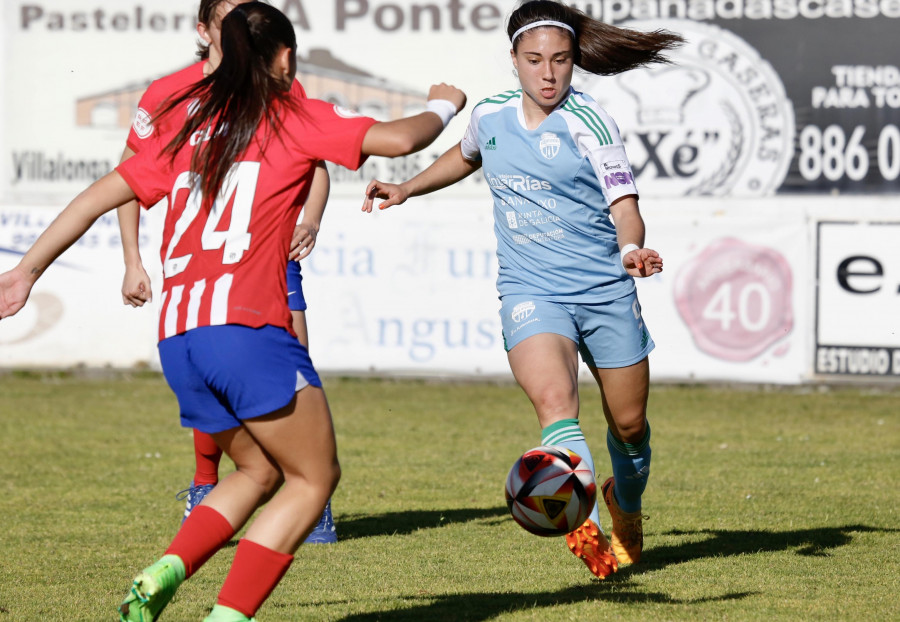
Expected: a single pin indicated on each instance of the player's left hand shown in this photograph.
(448, 92)
(642, 262)
(303, 241)
(14, 291)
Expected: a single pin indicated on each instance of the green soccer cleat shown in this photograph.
(221, 613)
(152, 590)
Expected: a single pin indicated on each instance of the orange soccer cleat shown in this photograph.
(588, 543)
(627, 534)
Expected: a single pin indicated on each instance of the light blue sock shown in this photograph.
(567, 433)
(631, 468)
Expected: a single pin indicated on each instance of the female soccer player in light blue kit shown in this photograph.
(570, 239)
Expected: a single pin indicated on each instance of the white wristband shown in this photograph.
(627, 249)
(444, 108)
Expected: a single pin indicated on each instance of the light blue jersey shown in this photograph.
(552, 187)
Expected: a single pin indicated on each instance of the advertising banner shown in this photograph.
(732, 300)
(75, 314)
(411, 290)
(770, 108)
(857, 299)
(766, 96)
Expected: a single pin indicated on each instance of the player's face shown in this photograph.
(544, 62)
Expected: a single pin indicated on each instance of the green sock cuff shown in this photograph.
(221, 613)
(630, 449)
(177, 565)
(561, 431)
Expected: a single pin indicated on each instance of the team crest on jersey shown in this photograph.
(522, 311)
(549, 145)
(142, 124)
(347, 113)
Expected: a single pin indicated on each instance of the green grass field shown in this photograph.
(764, 505)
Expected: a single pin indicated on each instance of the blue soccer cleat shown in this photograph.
(192, 497)
(324, 532)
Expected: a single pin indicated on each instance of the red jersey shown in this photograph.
(159, 91)
(225, 263)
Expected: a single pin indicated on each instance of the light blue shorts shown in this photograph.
(296, 301)
(609, 335)
(222, 375)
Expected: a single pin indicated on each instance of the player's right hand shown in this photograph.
(393, 194)
(136, 286)
(14, 291)
(448, 92)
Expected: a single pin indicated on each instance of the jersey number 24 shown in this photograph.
(239, 184)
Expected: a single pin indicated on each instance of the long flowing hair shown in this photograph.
(229, 105)
(600, 48)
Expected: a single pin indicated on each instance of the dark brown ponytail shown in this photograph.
(238, 96)
(599, 48)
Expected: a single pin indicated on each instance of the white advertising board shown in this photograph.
(858, 299)
(732, 302)
(412, 289)
(75, 313)
(767, 103)
(765, 97)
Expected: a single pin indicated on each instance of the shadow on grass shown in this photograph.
(481, 606)
(816, 542)
(473, 607)
(408, 521)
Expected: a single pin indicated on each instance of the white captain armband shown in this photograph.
(444, 108)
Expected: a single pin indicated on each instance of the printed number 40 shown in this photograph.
(239, 184)
(720, 307)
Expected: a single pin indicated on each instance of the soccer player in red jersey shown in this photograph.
(235, 176)
(136, 289)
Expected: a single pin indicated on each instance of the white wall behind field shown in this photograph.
(749, 293)
(786, 123)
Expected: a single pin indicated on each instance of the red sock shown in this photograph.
(255, 572)
(203, 533)
(206, 455)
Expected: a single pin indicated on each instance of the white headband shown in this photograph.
(545, 22)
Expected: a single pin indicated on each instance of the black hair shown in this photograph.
(599, 48)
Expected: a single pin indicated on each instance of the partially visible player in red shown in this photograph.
(226, 343)
(136, 288)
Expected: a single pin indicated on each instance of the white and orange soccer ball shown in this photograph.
(550, 491)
